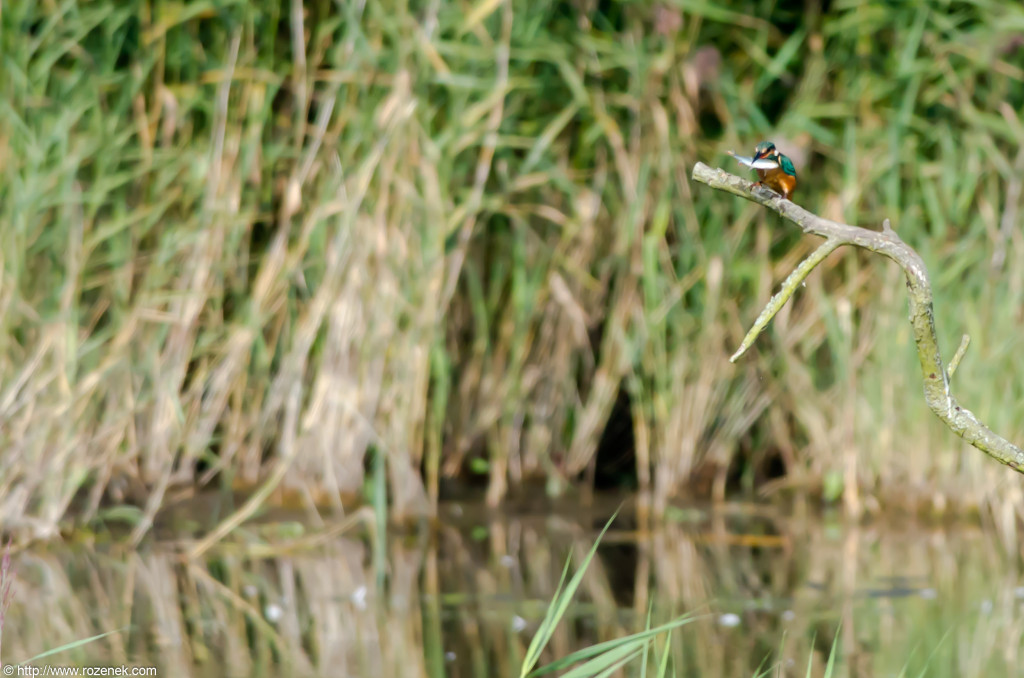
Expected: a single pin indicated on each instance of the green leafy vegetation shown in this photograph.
(319, 247)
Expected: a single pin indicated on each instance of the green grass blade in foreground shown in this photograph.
(928, 661)
(831, 665)
(663, 667)
(647, 627)
(608, 671)
(609, 661)
(72, 645)
(540, 639)
(637, 639)
(560, 604)
(810, 659)
(764, 672)
(598, 657)
(942, 641)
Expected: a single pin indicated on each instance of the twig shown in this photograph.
(954, 363)
(922, 318)
(789, 287)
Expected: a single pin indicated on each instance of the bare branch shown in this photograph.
(922, 318)
(954, 363)
(780, 298)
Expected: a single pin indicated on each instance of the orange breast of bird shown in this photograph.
(778, 181)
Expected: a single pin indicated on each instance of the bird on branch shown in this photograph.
(774, 170)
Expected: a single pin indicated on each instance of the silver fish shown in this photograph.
(762, 163)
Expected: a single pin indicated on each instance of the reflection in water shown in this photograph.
(465, 598)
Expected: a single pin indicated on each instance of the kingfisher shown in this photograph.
(774, 170)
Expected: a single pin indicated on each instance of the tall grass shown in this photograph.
(259, 243)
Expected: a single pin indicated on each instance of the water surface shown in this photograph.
(287, 595)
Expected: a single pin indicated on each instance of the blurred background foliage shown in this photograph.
(456, 243)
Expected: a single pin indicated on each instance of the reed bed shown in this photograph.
(249, 243)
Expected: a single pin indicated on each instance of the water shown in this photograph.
(464, 597)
